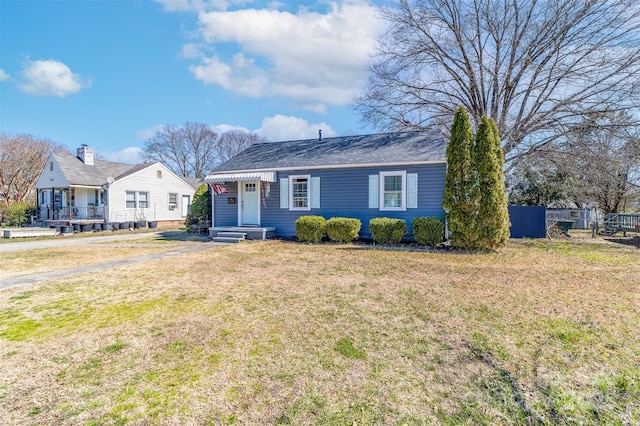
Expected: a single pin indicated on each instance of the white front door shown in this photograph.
(250, 203)
(186, 203)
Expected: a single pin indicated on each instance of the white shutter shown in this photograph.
(374, 194)
(315, 192)
(412, 190)
(284, 193)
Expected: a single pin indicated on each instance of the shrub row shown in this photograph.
(312, 229)
(427, 231)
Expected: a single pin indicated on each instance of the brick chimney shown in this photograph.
(85, 154)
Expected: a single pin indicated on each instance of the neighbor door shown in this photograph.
(186, 203)
(250, 208)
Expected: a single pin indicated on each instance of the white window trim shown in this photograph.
(138, 199)
(135, 200)
(172, 205)
(403, 207)
(309, 189)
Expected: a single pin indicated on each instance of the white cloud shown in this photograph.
(51, 78)
(190, 51)
(130, 155)
(148, 133)
(4, 76)
(316, 59)
(222, 128)
(282, 128)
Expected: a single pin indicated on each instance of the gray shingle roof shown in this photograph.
(78, 173)
(387, 148)
(194, 182)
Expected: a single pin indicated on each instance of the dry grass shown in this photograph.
(544, 332)
(21, 263)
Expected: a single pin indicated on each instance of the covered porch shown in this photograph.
(71, 204)
(237, 203)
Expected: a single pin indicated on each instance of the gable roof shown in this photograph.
(78, 173)
(194, 182)
(424, 146)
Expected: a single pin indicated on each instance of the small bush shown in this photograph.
(200, 210)
(386, 230)
(343, 229)
(428, 231)
(20, 213)
(310, 229)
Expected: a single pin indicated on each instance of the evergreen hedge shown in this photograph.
(460, 199)
(200, 207)
(343, 229)
(428, 230)
(492, 215)
(310, 228)
(386, 230)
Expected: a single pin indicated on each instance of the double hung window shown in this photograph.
(300, 192)
(137, 200)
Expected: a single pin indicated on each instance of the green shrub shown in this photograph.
(200, 210)
(343, 229)
(386, 230)
(310, 228)
(428, 231)
(20, 213)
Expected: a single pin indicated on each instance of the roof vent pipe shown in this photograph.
(320, 135)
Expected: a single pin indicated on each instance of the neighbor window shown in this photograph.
(137, 200)
(173, 201)
(300, 194)
(131, 200)
(143, 200)
(393, 187)
(159, 174)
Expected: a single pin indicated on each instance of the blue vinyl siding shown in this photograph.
(226, 214)
(344, 192)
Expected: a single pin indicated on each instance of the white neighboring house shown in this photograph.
(82, 189)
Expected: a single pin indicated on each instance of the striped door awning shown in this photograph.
(241, 177)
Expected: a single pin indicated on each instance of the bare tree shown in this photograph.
(22, 159)
(235, 141)
(537, 68)
(602, 159)
(189, 150)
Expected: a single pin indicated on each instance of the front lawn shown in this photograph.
(274, 332)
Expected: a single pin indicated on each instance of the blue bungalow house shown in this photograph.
(265, 188)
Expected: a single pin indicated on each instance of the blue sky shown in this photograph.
(109, 73)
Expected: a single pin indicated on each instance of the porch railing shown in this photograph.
(70, 213)
(621, 222)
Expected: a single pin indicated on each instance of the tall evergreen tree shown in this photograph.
(492, 215)
(459, 195)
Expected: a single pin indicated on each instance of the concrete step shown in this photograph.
(227, 239)
(229, 234)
